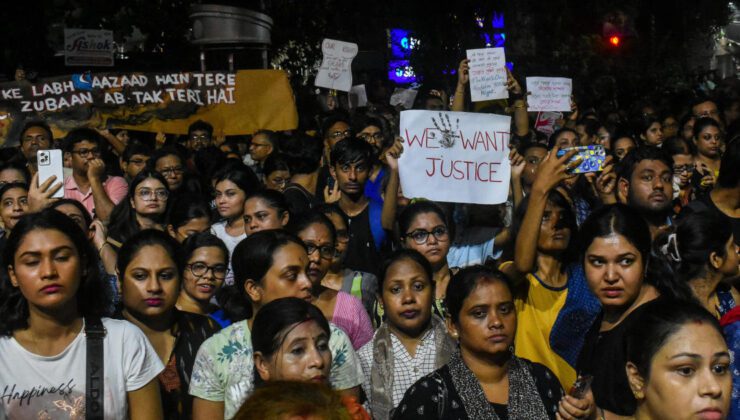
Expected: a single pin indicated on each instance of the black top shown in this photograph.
(299, 199)
(706, 205)
(604, 357)
(190, 331)
(435, 396)
(361, 252)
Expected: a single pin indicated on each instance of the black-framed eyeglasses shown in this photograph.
(148, 194)
(688, 168)
(87, 152)
(172, 171)
(200, 269)
(326, 252)
(420, 236)
(371, 136)
(203, 138)
(340, 134)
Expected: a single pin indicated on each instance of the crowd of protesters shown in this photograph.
(286, 275)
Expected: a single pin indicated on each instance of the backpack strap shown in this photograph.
(94, 369)
(376, 223)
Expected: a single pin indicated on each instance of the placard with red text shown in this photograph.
(456, 157)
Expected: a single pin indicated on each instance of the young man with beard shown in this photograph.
(89, 183)
(350, 167)
(645, 182)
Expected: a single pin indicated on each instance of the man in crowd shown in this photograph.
(35, 136)
(89, 183)
(133, 160)
(200, 135)
(645, 182)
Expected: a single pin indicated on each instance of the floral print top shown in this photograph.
(224, 366)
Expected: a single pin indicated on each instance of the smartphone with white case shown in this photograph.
(50, 162)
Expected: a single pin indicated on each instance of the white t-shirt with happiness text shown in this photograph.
(53, 387)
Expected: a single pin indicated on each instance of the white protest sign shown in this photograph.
(549, 93)
(487, 74)
(456, 157)
(404, 97)
(336, 67)
(88, 47)
(358, 96)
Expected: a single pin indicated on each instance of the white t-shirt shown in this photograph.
(219, 229)
(40, 387)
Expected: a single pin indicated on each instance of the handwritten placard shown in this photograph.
(487, 74)
(336, 67)
(404, 97)
(549, 93)
(456, 157)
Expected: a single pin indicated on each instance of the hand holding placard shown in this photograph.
(487, 72)
(549, 93)
(336, 67)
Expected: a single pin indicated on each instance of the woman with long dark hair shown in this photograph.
(678, 364)
(150, 272)
(615, 246)
(52, 303)
(145, 207)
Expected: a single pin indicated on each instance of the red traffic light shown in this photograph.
(614, 40)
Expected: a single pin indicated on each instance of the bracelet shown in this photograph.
(103, 246)
(516, 96)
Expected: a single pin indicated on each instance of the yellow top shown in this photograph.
(537, 308)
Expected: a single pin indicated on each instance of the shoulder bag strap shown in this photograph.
(94, 373)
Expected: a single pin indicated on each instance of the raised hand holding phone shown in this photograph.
(50, 164)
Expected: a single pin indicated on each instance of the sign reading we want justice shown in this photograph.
(455, 156)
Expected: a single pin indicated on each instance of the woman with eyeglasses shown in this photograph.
(276, 172)
(265, 209)
(150, 272)
(206, 264)
(145, 208)
(342, 309)
(423, 227)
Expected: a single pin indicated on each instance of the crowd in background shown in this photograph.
(286, 273)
